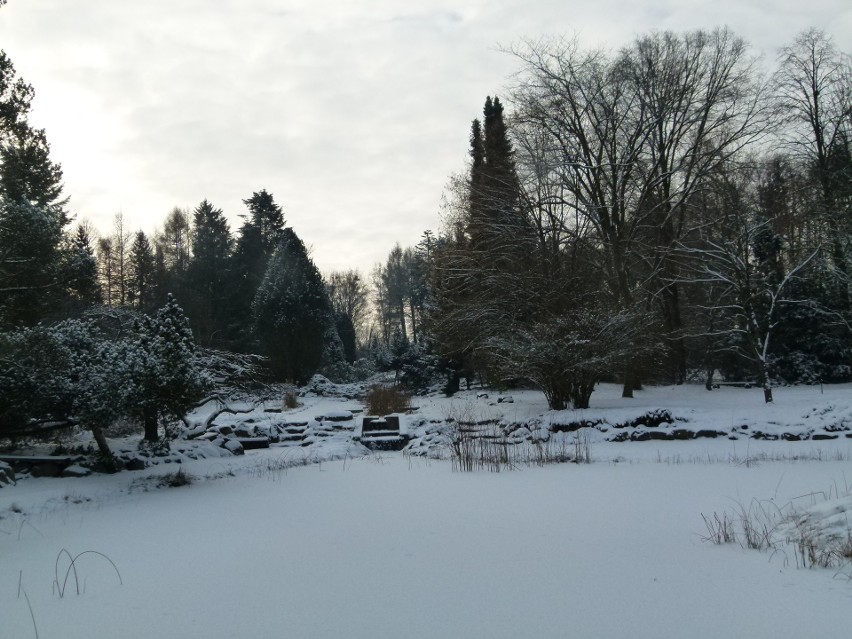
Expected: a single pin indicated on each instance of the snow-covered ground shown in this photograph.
(394, 545)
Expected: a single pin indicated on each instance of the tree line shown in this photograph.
(655, 211)
(640, 215)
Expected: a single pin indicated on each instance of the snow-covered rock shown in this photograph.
(76, 470)
(7, 474)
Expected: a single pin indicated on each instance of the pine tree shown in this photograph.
(208, 273)
(28, 173)
(140, 291)
(82, 270)
(267, 217)
(292, 313)
(255, 244)
(32, 216)
(30, 257)
(15, 100)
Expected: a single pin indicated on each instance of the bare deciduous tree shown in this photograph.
(813, 91)
(631, 137)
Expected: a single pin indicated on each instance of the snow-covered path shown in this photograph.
(385, 546)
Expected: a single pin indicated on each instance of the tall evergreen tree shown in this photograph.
(292, 312)
(208, 273)
(267, 217)
(33, 280)
(489, 255)
(30, 257)
(141, 272)
(28, 174)
(15, 100)
(256, 241)
(82, 269)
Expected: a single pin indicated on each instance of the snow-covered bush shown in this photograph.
(161, 379)
(344, 373)
(85, 370)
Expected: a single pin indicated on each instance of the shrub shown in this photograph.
(176, 479)
(384, 400)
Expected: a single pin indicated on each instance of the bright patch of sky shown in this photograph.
(353, 114)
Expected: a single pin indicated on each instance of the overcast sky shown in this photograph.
(353, 114)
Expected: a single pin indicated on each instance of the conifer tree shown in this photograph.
(267, 217)
(32, 216)
(208, 273)
(479, 292)
(292, 313)
(28, 174)
(30, 257)
(83, 269)
(163, 378)
(255, 244)
(141, 272)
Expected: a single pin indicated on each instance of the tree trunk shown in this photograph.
(582, 394)
(557, 395)
(103, 447)
(631, 383)
(149, 421)
(674, 330)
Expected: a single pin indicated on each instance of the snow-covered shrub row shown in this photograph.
(432, 437)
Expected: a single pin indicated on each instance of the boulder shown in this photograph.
(46, 469)
(75, 470)
(252, 443)
(234, 447)
(134, 464)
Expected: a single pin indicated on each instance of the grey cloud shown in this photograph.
(353, 114)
